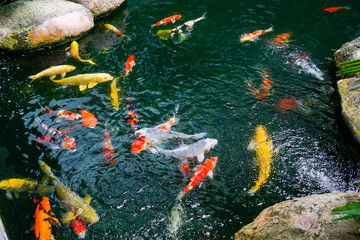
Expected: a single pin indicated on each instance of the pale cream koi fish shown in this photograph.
(84, 80)
(51, 72)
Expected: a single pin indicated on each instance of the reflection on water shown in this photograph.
(207, 77)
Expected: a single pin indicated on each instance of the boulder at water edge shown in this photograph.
(27, 25)
(350, 100)
(304, 218)
(100, 7)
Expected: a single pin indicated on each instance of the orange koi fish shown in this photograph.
(64, 114)
(334, 9)
(44, 219)
(115, 30)
(108, 149)
(129, 64)
(203, 171)
(167, 20)
(88, 119)
(254, 35)
(57, 136)
(281, 40)
(131, 116)
(79, 227)
(265, 87)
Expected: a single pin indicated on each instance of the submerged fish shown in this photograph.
(281, 40)
(114, 96)
(79, 227)
(108, 148)
(334, 9)
(18, 185)
(64, 114)
(186, 27)
(254, 35)
(203, 171)
(115, 30)
(167, 20)
(130, 63)
(189, 151)
(157, 135)
(265, 88)
(44, 220)
(263, 146)
(78, 207)
(84, 80)
(131, 116)
(88, 119)
(53, 71)
(74, 52)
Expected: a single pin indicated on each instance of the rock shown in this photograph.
(304, 218)
(27, 25)
(350, 104)
(100, 7)
(348, 51)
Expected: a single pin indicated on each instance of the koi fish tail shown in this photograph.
(270, 29)
(346, 7)
(126, 36)
(199, 135)
(179, 197)
(33, 78)
(46, 169)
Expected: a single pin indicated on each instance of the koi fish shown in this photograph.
(114, 96)
(281, 40)
(254, 35)
(167, 20)
(203, 171)
(186, 27)
(115, 30)
(78, 207)
(64, 114)
(264, 90)
(130, 63)
(334, 9)
(44, 220)
(18, 185)
(74, 52)
(88, 119)
(108, 149)
(263, 146)
(51, 72)
(79, 227)
(84, 80)
(189, 151)
(303, 62)
(53, 135)
(157, 135)
(131, 116)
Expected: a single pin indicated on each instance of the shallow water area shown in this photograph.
(208, 76)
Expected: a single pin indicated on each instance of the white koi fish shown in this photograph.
(157, 135)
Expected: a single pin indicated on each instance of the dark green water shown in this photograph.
(207, 76)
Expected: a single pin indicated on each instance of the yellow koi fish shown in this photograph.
(18, 185)
(53, 71)
(84, 80)
(115, 30)
(263, 146)
(78, 208)
(114, 97)
(74, 52)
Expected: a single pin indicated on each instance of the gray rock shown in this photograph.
(100, 7)
(348, 51)
(304, 218)
(30, 24)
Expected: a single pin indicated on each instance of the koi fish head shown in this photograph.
(138, 145)
(210, 143)
(140, 133)
(69, 143)
(79, 227)
(88, 119)
(104, 77)
(74, 44)
(131, 59)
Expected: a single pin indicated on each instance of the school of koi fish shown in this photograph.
(191, 156)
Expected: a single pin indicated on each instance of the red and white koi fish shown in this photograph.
(167, 20)
(88, 119)
(64, 114)
(157, 135)
(131, 116)
(44, 220)
(130, 63)
(108, 148)
(254, 35)
(334, 9)
(203, 171)
(79, 227)
(57, 136)
(115, 30)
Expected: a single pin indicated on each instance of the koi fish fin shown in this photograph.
(33, 78)
(91, 85)
(87, 199)
(200, 184)
(251, 145)
(82, 87)
(201, 157)
(90, 61)
(9, 195)
(211, 174)
(153, 150)
(68, 217)
(67, 48)
(199, 135)
(63, 74)
(270, 29)
(180, 195)
(52, 77)
(53, 221)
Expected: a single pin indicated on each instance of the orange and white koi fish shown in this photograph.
(79, 227)
(44, 220)
(57, 136)
(88, 119)
(130, 63)
(254, 35)
(167, 20)
(115, 30)
(263, 146)
(74, 52)
(203, 171)
(64, 114)
(264, 90)
(51, 72)
(131, 116)
(108, 148)
(334, 9)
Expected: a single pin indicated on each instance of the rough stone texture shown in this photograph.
(304, 218)
(100, 7)
(348, 51)
(350, 104)
(30, 24)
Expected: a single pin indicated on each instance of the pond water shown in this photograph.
(209, 77)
